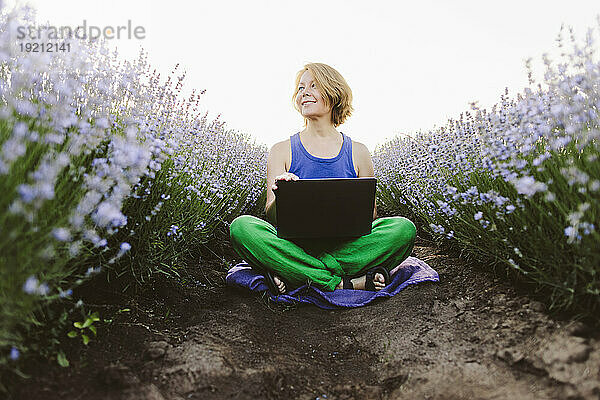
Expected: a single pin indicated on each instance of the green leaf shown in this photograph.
(86, 339)
(78, 325)
(95, 317)
(62, 360)
(93, 329)
(87, 323)
(72, 334)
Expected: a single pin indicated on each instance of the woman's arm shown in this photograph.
(275, 167)
(364, 163)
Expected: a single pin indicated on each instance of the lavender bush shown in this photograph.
(66, 165)
(213, 176)
(104, 168)
(517, 186)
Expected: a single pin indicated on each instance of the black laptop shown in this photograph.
(325, 208)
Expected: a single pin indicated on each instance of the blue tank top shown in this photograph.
(307, 166)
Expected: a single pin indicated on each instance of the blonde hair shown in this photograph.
(336, 93)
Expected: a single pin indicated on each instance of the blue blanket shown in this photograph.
(410, 271)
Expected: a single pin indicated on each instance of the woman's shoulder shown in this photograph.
(281, 150)
(281, 146)
(359, 148)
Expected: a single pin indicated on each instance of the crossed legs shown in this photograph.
(322, 262)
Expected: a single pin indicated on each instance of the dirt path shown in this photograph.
(468, 336)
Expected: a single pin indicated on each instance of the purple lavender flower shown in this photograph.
(31, 285)
(528, 186)
(14, 353)
(61, 234)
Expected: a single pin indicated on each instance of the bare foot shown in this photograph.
(359, 283)
(279, 283)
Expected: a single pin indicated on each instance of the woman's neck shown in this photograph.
(320, 132)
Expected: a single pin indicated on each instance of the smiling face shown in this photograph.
(309, 99)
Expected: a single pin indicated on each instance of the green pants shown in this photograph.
(317, 261)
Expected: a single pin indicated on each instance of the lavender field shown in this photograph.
(105, 169)
(107, 172)
(516, 186)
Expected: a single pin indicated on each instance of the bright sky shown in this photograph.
(411, 65)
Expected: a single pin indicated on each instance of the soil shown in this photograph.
(469, 336)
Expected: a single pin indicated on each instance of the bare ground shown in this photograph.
(469, 336)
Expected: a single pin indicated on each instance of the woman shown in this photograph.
(324, 99)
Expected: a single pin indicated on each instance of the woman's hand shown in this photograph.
(286, 176)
